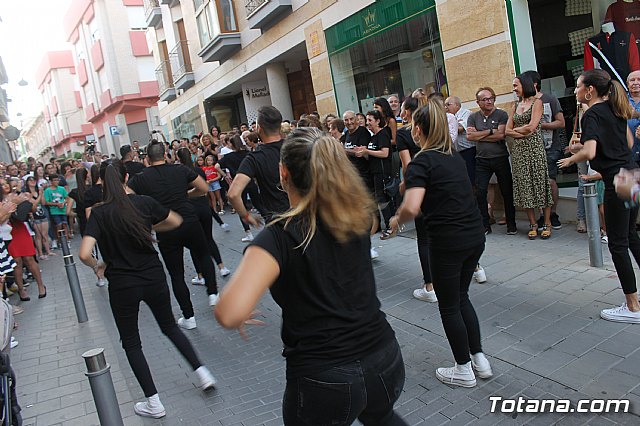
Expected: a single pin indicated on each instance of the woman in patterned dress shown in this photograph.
(531, 189)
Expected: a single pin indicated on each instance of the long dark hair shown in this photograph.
(605, 86)
(387, 112)
(95, 174)
(184, 156)
(125, 219)
(81, 178)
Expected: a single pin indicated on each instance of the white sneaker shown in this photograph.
(152, 407)
(213, 299)
(425, 295)
(187, 323)
(226, 227)
(221, 212)
(197, 280)
(604, 239)
(101, 282)
(479, 275)
(207, 381)
(14, 342)
(458, 375)
(374, 253)
(224, 272)
(621, 314)
(247, 238)
(54, 244)
(481, 365)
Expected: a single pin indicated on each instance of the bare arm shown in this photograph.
(588, 152)
(383, 153)
(557, 123)
(198, 188)
(536, 116)
(629, 138)
(405, 158)
(173, 221)
(484, 136)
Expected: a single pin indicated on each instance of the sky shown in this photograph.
(29, 29)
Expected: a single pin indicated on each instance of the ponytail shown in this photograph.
(125, 219)
(619, 101)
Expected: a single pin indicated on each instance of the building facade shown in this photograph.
(37, 139)
(6, 132)
(115, 76)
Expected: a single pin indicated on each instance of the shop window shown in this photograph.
(389, 48)
(214, 17)
(187, 124)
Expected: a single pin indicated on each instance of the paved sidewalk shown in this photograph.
(539, 315)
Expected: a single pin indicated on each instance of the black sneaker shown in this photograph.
(487, 230)
(541, 222)
(512, 230)
(555, 221)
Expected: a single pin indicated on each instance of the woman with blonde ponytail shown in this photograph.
(436, 187)
(315, 261)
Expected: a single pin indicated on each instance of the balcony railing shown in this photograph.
(252, 5)
(152, 13)
(181, 66)
(165, 81)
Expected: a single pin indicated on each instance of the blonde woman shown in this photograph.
(436, 188)
(334, 334)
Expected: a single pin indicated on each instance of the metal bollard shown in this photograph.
(74, 282)
(593, 224)
(104, 394)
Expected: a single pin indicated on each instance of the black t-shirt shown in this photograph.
(167, 184)
(93, 196)
(202, 201)
(263, 165)
(360, 137)
(404, 141)
(232, 161)
(449, 208)
(133, 167)
(380, 165)
(330, 311)
(599, 123)
(80, 204)
(128, 264)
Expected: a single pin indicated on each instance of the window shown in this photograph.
(214, 17)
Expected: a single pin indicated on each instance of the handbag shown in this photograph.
(392, 186)
(22, 211)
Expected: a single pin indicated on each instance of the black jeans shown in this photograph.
(621, 230)
(385, 203)
(365, 390)
(469, 156)
(125, 305)
(485, 167)
(452, 271)
(204, 216)
(171, 245)
(423, 248)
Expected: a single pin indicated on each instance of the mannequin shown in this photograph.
(613, 51)
(625, 14)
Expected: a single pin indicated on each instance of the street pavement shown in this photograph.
(539, 314)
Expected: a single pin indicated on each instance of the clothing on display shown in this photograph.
(615, 53)
(625, 15)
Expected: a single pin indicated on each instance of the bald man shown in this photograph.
(633, 83)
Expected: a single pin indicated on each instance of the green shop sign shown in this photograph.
(372, 20)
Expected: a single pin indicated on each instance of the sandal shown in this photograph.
(386, 234)
(533, 232)
(546, 231)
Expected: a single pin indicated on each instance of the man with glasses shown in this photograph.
(487, 128)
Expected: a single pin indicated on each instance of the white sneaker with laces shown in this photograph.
(374, 253)
(479, 275)
(604, 239)
(207, 381)
(224, 272)
(197, 280)
(481, 365)
(213, 299)
(247, 238)
(226, 227)
(14, 342)
(458, 375)
(152, 407)
(425, 295)
(54, 244)
(187, 323)
(101, 282)
(621, 314)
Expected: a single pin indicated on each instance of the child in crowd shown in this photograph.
(54, 197)
(213, 180)
(593, 176)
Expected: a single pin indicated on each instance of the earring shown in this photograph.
(588, 96)
(279, 187)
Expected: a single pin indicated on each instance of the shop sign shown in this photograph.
(257, 92)
(374, 19)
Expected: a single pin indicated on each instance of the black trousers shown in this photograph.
(485, 168)
(171, 245)
(423, 248)
(204, 216)
(621, 230)
(125, 305)
(385, 203)
(452, 271)
(469, 156)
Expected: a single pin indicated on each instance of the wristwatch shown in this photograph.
(491, 131)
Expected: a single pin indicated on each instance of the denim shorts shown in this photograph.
(58, 219)
(214, 186)
(365, 389)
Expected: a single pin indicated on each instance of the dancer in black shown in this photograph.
(172, 185)
(122, 226)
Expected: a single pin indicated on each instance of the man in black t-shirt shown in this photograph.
(263, 166)
(172, 185)
(356, 136)
(133, 167)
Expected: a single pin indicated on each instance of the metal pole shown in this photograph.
(104, 394)
(74, 282)
(593, 224)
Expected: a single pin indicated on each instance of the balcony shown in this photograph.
(262, 14)
(165, 82)
(170, 3)
(152, 13)
(181, 66)
(221, 47)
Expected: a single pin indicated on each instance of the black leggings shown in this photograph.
(204, 216)
(125, 304)
(171, 245)
(423, 248)
(621, 230)
(452, 271)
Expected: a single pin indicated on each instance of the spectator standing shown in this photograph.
(464, 146)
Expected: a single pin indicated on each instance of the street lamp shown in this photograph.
(22, 82)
